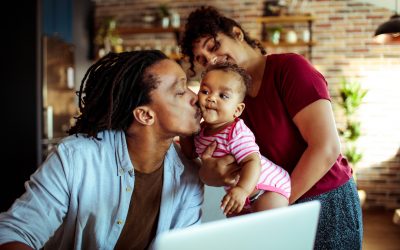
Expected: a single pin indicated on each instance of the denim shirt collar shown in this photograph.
(124, 163)
(171, 162)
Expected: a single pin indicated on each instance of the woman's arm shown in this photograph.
(218, 171)
(317, 126)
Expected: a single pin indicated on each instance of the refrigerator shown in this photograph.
(58, 90)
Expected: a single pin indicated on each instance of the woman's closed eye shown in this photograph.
(216, 46)
(203, 62)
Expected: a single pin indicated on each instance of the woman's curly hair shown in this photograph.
(207, 21)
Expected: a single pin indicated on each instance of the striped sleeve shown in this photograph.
(242, 142)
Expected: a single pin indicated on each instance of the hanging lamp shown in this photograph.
(389, 32)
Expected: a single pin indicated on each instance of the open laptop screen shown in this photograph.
(292, 227)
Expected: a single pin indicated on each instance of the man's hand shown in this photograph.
(218, 171)
(234, 200)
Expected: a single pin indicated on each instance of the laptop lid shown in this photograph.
(292, 227)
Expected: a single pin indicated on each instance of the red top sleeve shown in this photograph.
(300, 84)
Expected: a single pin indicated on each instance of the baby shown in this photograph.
(262, 184)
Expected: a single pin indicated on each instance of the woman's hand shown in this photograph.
(218, 171)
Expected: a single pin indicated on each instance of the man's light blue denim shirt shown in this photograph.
(79, 198)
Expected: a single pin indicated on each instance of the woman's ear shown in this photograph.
(238, 33)
(144, 115)
(239, 109)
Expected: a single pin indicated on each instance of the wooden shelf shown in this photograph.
(286, 44)
(285, 19)
(153, 30)
(146, 30)
(287, 23)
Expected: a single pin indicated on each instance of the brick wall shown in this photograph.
(343, 31)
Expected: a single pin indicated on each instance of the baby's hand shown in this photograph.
(234, 200)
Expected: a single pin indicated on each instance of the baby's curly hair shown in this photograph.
(207, 21)
(242, 74)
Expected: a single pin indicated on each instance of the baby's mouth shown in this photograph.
(204, 109)
(209, 106)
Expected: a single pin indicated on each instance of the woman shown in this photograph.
(288, 108)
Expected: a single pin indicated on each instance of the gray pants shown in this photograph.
(340, 223)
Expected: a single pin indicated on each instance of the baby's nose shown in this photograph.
(210, 99)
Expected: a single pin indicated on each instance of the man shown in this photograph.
(118, 180)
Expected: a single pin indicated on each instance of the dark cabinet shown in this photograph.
(21, 98)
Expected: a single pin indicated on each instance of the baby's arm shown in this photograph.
(235, 198)
(187, 146)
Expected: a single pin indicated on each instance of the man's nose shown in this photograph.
(209, 59)
(213, 60)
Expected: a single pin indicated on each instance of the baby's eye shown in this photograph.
(204, 91)
(223, 96)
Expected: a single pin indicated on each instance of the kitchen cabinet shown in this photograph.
(288, 31)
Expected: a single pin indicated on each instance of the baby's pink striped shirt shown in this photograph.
(238, 140)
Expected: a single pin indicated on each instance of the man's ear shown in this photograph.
(144, 115)
(238, 33)
(239, 109)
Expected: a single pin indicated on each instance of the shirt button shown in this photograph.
(119, 221)
(128, 189)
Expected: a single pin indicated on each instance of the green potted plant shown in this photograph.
(164, 14)
(274, 34)
(351, 95)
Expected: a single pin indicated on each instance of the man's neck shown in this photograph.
(146, 150)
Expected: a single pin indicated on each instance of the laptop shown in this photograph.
(292, 227)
